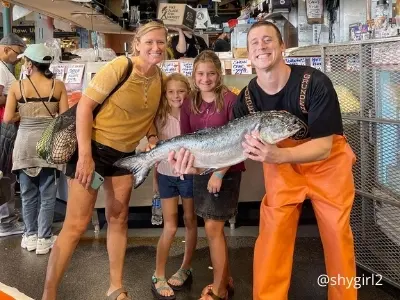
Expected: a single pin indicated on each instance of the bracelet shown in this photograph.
(218, 175)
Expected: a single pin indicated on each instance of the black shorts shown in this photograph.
(104, 158)
(222, 206)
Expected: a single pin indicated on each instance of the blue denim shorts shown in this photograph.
(171, 186)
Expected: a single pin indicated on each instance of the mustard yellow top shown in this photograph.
(128, 115)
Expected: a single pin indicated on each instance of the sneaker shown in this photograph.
(7, 229)
(29, 242)
(44, 245)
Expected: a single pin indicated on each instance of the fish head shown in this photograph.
(276, 126)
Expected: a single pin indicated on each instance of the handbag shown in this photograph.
(59, 140)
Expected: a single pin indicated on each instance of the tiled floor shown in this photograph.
(87, 276)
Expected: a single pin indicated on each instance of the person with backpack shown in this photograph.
(124, 119)
(38, 99)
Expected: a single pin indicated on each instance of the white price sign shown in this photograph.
(74, 74)
(241, 66)
(295, 61)
(59, 71)
(170, 67)
(187, 68)
(316, 62)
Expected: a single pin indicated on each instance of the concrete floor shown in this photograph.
(87, 276)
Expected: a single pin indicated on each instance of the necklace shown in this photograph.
(146, 85)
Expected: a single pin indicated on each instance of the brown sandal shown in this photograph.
(114, 295)
(230, 288)
(213, 296)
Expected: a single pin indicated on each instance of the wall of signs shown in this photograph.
(234, 66)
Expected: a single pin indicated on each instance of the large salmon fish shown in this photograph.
(219, 147)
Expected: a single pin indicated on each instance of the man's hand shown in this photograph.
(257, 150)
(183, 164)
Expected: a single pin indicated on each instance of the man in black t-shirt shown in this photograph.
(316, 164)
(187, 44)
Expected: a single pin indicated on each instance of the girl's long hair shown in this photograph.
(220, 89)
(164, 108)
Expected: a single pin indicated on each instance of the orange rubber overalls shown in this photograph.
(330, 186)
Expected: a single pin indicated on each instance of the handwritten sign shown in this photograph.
(300, 61)
(314, 9)
(59, 71)
(187, 68)
(75, 74)
(170, 67)
(316, 62)
(241, 66)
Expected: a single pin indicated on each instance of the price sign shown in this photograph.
(74, 74)
(59, 71)
(187, 68)
(296, 61)
(241, 66)
(316, 62)
(170, 67)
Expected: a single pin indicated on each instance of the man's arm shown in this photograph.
(324, 121)
(10, 115)
(311, 151)
(178, 44)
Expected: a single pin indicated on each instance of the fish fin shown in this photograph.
(208, 171)
(138, 164)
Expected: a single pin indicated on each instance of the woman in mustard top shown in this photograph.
(124, 119)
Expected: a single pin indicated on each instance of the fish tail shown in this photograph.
(139, 164)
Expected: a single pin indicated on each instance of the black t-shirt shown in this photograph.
(191, 50)
(221, 45)
(324, 116)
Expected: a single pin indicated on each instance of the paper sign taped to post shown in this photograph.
(241, 66)
(75, 73)
(187, 68)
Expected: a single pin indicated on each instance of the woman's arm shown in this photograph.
(84, 124)
(63, 107)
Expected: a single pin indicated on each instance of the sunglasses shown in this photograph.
(18, 53)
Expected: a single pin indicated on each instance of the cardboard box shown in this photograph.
(177, 15)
